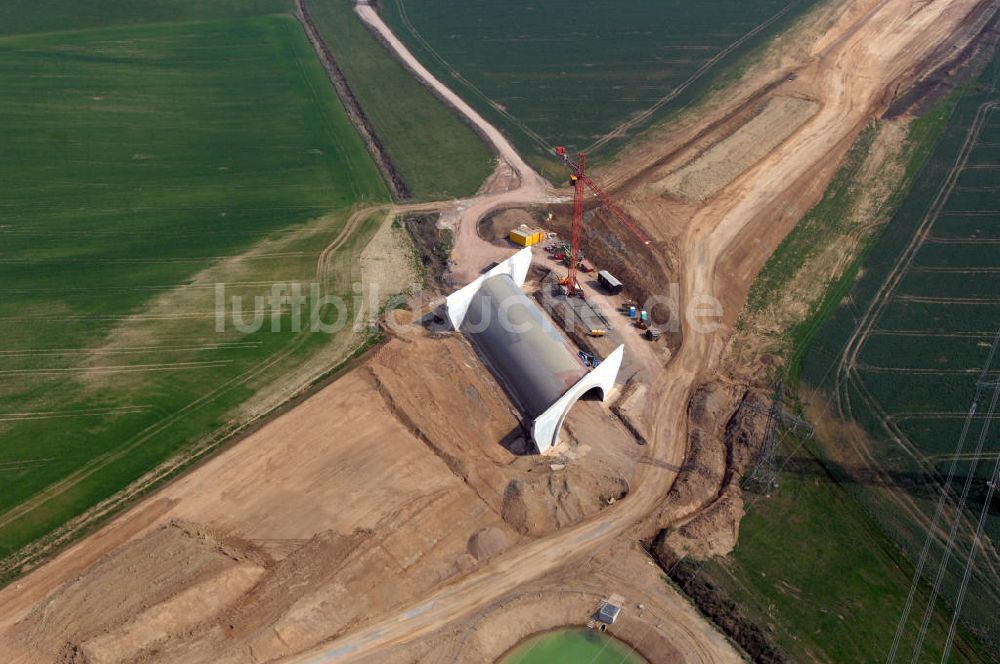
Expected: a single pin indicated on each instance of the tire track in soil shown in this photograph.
(88, 519)
(847, 373)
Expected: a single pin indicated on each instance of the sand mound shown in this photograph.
(488, 542)
(713, 532)
(498, 226)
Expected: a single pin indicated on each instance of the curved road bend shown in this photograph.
(850, 80)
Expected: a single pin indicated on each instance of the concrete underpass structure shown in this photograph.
(532, 359)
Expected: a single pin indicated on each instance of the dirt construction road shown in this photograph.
(532, 188)
(286, 482)
(852, 68)
(531, 182)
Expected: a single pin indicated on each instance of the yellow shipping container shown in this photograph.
(526, 238)
(518, 236)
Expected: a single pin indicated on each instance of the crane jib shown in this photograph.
(579, 178)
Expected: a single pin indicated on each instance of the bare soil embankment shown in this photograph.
(719, 165)
(660, 626)
(749, 358)
(285, 533)
(315, 535)
(488, 448)
(376, 537)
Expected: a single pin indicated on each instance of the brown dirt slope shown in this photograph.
(426, 381)
(294, 500)
(368, 525)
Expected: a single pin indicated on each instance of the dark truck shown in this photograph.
(608, 281)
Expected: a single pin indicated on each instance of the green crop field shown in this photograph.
(35, 16)
(142, 165)
(815, 569)
(910, 355)
(571, 74)
(437, 154)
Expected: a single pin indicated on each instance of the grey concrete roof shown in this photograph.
(608, 613)
(521, 345)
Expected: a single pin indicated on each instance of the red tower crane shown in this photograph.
(579, 179)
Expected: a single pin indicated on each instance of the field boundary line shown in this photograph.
(363, 125)
(620, 130)
(454, 73)
(874, 368)
(888, 287)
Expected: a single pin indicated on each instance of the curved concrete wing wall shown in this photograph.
(531, 358)
(546, 427)
(458, 302)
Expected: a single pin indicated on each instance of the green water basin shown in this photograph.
(572, 646)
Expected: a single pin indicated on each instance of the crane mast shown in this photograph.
(580, 181)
